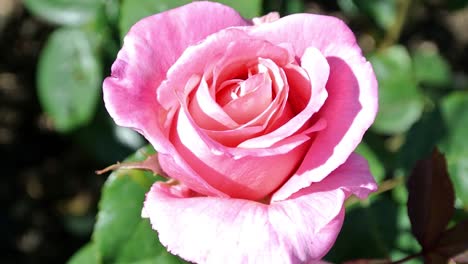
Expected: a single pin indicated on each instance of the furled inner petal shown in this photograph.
(249, 98)
(242, 55)
(317, 69)
(206, 112)
(277, 109)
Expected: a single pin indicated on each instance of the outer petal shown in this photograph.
(218, 230)
(351, 105)
(150, 48)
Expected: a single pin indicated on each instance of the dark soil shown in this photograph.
(48, 190)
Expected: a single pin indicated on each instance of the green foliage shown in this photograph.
(64, 12)
(431, 68)
(370, 228)
(382, 12)
(134, 10)
(283, 7)
(86, 255)
(455, 145)
(120, 234)
(422, 137)
(69, 78)
(400, 100)
(376, 167)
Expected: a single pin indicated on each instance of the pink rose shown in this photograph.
(256, 124)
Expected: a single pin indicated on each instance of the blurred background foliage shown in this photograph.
(54, 130)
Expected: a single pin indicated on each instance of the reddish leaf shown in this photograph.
(454, 241)
(430, 199)
(435, 259)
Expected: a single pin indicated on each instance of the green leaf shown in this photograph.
(106, 142)
(422, 138)
(64, 12)
(405, 243)
(376, 167)
(69, 78)
(348, 7)
(111, 11)
(251, 8)
(382, 12)
(294, 6)
(142, 245)
(134, 10)
(121, 235)
(86, 255)
(455, 146)
(400, 101)
(431, 68)
(368, 232)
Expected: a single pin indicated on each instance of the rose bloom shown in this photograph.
(254, 121)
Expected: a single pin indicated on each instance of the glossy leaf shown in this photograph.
(422, 138)
(375, 165)
(121, 235)
(382, 12)
(134, 10)
(294, 6)
(111, 11)
(69, 78)
(455, 146)
(430, 199)
(86, 255)
(106, 142)
(431, 68)
(348, 7)
(64, 12)
(405, 243)
(400, 101)
(369, 231)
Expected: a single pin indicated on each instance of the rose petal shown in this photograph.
(231, 61)
(216, 230)
(270, 17)
(317, 68)
(344, 130)
(250, 176)
(277, 113)
(147, 54)
(141, 65)
(326, 33)
(256, 98)
(207, 113)
(195, 61)
(351, 105)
